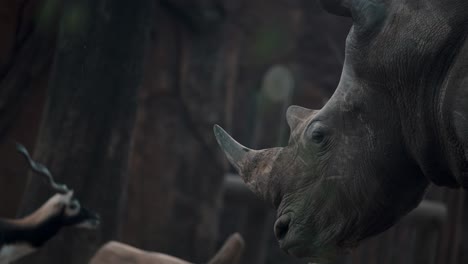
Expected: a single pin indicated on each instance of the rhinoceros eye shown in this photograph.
(317, 136)
(316, 132)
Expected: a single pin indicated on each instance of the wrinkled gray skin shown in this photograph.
(396, 122)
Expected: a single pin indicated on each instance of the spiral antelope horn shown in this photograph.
(42, 170)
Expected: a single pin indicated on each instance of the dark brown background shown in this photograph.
(130, 91)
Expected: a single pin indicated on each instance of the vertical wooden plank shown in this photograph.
(373, 247)
(458, 223)
(383, 246)
(464, 231)
(426, 245)
(447, 229)
(391, 246)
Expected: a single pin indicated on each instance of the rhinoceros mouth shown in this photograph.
(313, 242)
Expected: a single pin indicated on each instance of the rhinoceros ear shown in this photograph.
(336, 7)
(296, 115)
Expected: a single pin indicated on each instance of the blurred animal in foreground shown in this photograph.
(20, 237)
(118, 253)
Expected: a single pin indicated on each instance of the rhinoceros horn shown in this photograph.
(337, 7)
(261, 169)
(254, 166)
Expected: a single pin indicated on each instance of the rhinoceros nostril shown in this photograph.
(282, 226)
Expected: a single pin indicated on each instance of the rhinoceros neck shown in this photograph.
(428, 122)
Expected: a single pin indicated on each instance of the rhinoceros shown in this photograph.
(397, 122)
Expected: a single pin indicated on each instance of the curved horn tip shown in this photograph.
(237, 237)
(235, 152)
(217, 129)
(231, 251)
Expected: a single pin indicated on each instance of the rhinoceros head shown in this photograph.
(338, 181)
(354, 167)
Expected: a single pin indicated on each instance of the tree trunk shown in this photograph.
(174, 192)
(89, 116)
